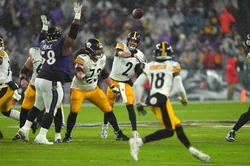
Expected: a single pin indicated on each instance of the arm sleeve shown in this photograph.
(138, 87)
(180, 87)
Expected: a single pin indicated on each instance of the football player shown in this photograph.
(7, 86)
(89, 66)
(34, 63)
(128, 61)
(56, 70)
(161, 74)
(245, 117)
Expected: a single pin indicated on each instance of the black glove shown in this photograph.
(115, 90)
(13, 85)
(140, 109)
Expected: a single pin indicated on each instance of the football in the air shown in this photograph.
(137, 13)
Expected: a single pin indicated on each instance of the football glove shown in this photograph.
(46, 23)
(115, 90)
(248, 57)
(183, 102)
(78, 10)
(140, 109)
(12, 85)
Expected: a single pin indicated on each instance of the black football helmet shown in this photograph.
(53, 33)
(94, 44)
(1, 43)
(247, 41)
(134, 35)
(163, 51)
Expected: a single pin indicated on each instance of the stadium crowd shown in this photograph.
(202, 33)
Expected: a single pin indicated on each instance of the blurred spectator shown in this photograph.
(231, 77)
(209, 58)
(226, 19)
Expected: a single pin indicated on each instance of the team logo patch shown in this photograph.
(153, 100)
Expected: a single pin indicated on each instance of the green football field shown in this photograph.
(205, 123)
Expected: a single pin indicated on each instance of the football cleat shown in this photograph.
(230, 136)
(1, 135)
(41, 139)
(135, 144)
(120, 136)
(35, 126)
(104, 132)
(135, 134)
(24, 133)
(67, 138)
(16, 137)
(199, 155)
(58, 138)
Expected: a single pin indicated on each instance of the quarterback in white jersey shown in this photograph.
(128, 61)
(161, 74)
(7, 86)
(89, 66)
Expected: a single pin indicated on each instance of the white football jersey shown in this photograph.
(160, 75)
(34, 54)
(124, 68)
(5, 70)
(91, 69)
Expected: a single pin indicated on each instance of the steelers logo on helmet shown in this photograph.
(134, 35)
(1, 43)
(247, 40)
(163, 51)
(94, 44)
(53, 34)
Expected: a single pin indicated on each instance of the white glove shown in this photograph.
(46, 23)
(248, 57)
(78, 10)
(115, 90)
(183, 102)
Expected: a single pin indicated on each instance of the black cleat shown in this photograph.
(35, 126)
(16, 137)
(67, 138)
(1, 135)
(119, 136)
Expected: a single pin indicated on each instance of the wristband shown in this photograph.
(78, 16)
(132, 54)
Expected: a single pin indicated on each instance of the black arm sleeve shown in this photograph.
(138, 69)
(73, 31)
(42, 36)
(24, 70)
(104, 74)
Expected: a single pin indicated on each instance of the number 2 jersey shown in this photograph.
(124, 68)
(90, 69)
(160, 75)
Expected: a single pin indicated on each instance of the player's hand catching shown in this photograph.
(115, 90)
(140, 109)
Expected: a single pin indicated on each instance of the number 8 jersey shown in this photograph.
(160, 75)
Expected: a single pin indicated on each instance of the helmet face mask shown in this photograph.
(136, 37)
(163, 51)
(53, 34)
(92, 46)
(2, 44)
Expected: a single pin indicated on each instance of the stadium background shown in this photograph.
(192, 27)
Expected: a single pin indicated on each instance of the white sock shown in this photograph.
(27, 125)
(14, 114)
(43, 131)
